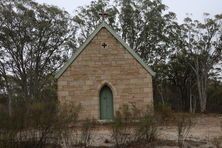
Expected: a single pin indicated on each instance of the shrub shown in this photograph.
(35, 124)
(120, 130)
(146, 129)
(221, 126)
(164, 113)
(86, 132)
(218, 140)
(184, 125)
(132, 125)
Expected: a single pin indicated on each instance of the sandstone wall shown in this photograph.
(96, 66)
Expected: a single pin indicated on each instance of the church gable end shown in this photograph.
(104, 61)
(103, 25)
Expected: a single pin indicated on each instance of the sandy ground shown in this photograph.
(205, 129)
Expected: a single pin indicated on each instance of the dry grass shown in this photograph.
(218, 140)
(184, 125)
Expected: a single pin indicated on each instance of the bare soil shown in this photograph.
(205, 133)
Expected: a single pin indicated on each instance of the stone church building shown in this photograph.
(103, 75)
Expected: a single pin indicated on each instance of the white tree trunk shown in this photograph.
(202, 91)
(202, 79)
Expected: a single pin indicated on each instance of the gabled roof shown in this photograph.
(82, 47)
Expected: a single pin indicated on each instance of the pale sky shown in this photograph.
(180, 7)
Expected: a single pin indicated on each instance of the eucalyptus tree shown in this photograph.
(130, 21)
(182, 78)
(202, 42)
(146, 28)
(34, 42)
(87, 18)
(157, 38)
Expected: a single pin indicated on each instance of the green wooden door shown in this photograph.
(106, 103)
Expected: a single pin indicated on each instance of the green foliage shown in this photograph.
(87, 18)
(201, 43)
(181, 76)
(34, 39)
(35, 124)
(141, 24)
(214, 102)
(194, 61)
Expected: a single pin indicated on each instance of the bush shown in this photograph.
(36, 124)
(132, 125)
(218, 140)
(86, 132)
(146, 129)
(184, 125)
(164, 113)
(120, 128)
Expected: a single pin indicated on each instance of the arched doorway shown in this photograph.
(106, 103)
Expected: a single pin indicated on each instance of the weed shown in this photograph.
(120, 130)
(132, 125)
(184, 125)
(35, 124)
(164, 113)
(146, 129)
(86, 132)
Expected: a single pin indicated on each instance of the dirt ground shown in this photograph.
(202, 134)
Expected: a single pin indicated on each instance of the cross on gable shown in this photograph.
(104, 45)
(103, 15)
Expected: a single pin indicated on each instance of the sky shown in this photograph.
(180, 7)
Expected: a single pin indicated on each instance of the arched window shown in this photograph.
(106, 103)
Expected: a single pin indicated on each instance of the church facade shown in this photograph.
(103, 75)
